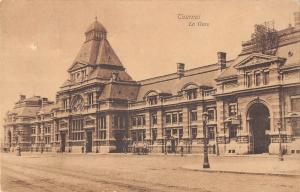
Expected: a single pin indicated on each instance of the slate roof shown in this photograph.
(29, 107)
(172, 83)
(97, 52)
(25, 111)
(105, 73)
(49, 108)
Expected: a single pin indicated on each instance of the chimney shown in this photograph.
(222, 60)
(22, 97)
(297, 19)
(180, 69)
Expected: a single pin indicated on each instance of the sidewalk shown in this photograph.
(256, 166)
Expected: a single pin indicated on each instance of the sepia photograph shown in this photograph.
(149, 96)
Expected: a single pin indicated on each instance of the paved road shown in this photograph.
(108, 173)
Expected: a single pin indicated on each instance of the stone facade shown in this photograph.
(251, 102)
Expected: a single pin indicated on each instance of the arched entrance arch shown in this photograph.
(259, 121)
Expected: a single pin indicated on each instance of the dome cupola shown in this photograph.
(95, 31)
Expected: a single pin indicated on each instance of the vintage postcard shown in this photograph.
(138, 96)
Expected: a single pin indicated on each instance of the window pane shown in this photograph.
(295, 104)
(257, 79)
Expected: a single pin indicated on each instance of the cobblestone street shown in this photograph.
(121, 172)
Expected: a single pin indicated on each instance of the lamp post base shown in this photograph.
(280, 158)
(206, 165)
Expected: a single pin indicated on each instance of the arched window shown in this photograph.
(190, 90)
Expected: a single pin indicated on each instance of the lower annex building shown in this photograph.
(252, 101)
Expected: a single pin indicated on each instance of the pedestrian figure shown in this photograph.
(18, 150)
(145, 148)
(125, 146)
(181, 151)
(82, 149)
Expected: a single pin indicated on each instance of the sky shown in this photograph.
(40, 39)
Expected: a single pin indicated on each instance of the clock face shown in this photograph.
(77, 104)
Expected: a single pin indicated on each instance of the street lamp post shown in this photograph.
(280, 154)
(205, 160)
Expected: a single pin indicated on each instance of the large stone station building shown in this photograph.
(252, 102)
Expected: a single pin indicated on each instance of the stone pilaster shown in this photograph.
(186, 123)
(109, 128)
(160, 123)
(220, 116)
(199, 122)
(148, 126)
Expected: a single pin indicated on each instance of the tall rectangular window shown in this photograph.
(194, 115)
(168, 133)
(101, 127)
(211, 114)
(154, 119)
(180, 117)
(65, 103)
(266, 77)
(194, 133)
(133, 121)
(295, 104)
(154, 134)
(211, 132)
(168, 118)
(180, 133)
(257, 78)
(233, 131)
(248, 79)
(90, 98)
(115, 121)
(144, 119)
(77, 129)
(139, 120)
(174, 118)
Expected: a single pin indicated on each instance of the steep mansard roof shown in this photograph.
(97, 52)
(29, 107)
(25, 111)
(172, 83)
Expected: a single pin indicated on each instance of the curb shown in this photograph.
(243, 173)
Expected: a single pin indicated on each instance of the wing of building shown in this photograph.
(250, 104)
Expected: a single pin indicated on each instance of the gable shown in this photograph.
(76, 66)
(258, 59)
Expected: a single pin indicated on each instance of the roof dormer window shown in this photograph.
(190, 90)
(152, 100)
(191, 94)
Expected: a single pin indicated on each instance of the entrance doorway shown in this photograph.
(89, 141)
(63, 142)
(9, 139)
(119, 136)
(173, 145)
(259, 122)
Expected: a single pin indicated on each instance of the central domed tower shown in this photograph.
(96, 50)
